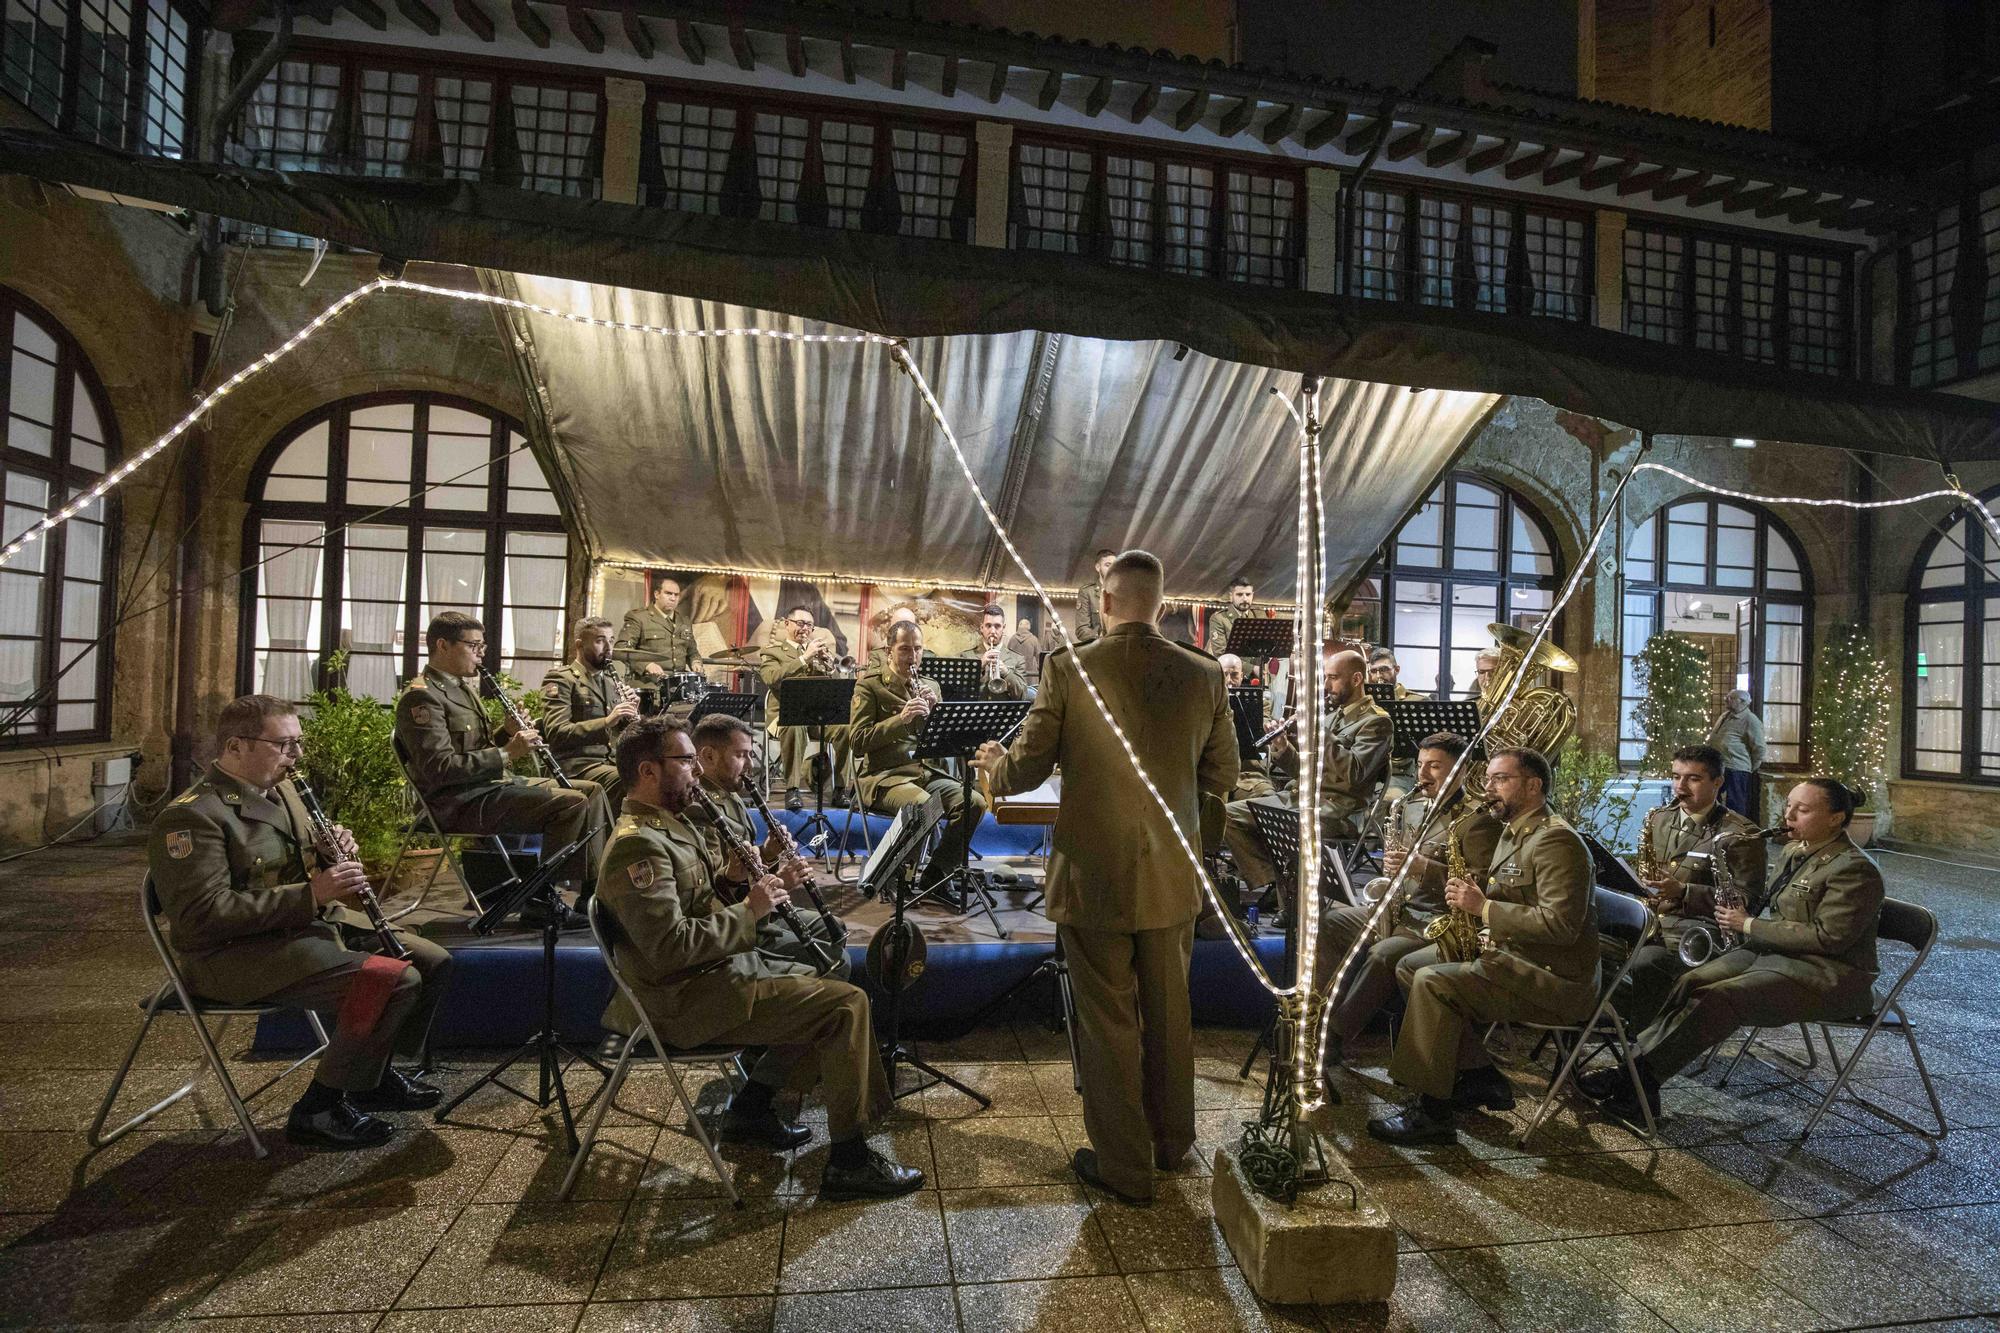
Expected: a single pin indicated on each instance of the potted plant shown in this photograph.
(1850, 719)
(350, 760)
(1591, 793)
(1672, 672)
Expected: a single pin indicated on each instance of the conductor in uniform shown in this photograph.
(693, 962)
(1122, 892)
(255, 915)
(585, 706)
(656, 640)
(1538, 963)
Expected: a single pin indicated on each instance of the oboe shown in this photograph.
(331, 853)
(750, 789)
(522, 722)
(752, 861)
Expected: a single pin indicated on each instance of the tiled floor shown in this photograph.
(1730, 1225)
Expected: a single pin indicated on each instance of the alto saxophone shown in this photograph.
(1394, 839)
(1456, 933)
(1648, 859)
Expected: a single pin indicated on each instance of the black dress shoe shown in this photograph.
(397, 1092)
(339, 1128)
(765, 1127)
(1602, 1084)
(535, 916)
(793, 801)
(1486, 1089)
(841, 800)
(876, 1178)
(1623, 1104)
(1084, 1162)
(1426, 1120)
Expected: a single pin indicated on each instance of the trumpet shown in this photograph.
(331, 853)
(522, 722)
(823, 961)
(819, 657)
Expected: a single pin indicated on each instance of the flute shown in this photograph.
(332, 853)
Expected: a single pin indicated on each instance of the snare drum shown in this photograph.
(686, 686)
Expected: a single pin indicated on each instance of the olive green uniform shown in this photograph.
(229, 864)
(695, 965)
(1685, 848)
(781, 660)
(1089, 613)
(1013, 681)
(1809, 955)
(774, 938)
(1539, 966)
(888, 774)
(1372, 979)
(576, 722)
(455, 761)
(1220, 622)
(651, 636)
(1123, 894)
(1357, 755)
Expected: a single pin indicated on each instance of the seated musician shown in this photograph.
(1384, 669)
(1808, 955)
(1372, 978)
(458, 761)
(725, 745)
(656, 640)
(256, 915)
(1253, 778)
(1683, 836)
(1483, 667)
(784, 658)
(888, 715)
(694, 963)
(1537, 963)
(1223, 619)
(1005, 675)
(585, 704)
(1356, 758)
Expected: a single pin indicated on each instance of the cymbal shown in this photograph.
(733, 657)
(1548, 655)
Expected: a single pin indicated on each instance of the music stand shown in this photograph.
(954, 730)
(1278, 824)
(1258, 639)
(1382, 694)
(904, 840)
(721, 701)
(1246, 706)
(1611, 871)
(959, 678)
(1415, 719)
(816, 703)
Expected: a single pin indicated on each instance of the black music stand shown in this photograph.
(1415, 719)
(1611, 871)
(959, 678)
(1278, 824)
(1246, 705)
(816, 703)
(1258, 639)
(1382, 694)
(721, 701)
(955, 730)
(887, 870)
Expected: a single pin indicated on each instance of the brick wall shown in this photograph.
(1710, 59)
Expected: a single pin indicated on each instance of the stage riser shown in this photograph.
(991, 838)
(496, 994)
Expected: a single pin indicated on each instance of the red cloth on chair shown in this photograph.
(368, 994)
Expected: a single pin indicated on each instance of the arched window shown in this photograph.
(1475, 553)
(55, 595)
(350, 560)
(1731, 578)
(1951, 671)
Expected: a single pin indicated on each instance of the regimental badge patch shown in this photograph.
(421, 714)
(641, 873)
(180, 844)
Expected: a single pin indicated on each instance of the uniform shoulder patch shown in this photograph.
(179, 844)
(641, 874)
(422, 714)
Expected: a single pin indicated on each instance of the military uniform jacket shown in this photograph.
(1220, 622)
(649, 636)
(736, 812)
(1478, 833)
(1089, 613)
(229, 865)
(1820, 923)
(1686, 849)
(1539, 914)
(576, 708)
(780, 659)
(690, 958)
(452, 746)
(1013, 682)
(1116, 864)
(884, 744)
(1357, 755)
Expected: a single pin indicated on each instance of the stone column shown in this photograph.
(624, 112)
(1322, 239)
(1610, 270)
(996, 165)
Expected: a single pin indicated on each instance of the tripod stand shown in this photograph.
(1055, 966)
(546, 1046)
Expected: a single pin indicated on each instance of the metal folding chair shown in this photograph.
(424, 823)
(1626, 919)
(1902, 923)
(174, 996)
(728, 1057)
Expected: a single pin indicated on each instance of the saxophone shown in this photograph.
(1395, 838)
(1456, 933)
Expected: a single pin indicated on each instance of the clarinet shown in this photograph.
(786, 912)
(332, 854)
(791, 853)
(522, 722)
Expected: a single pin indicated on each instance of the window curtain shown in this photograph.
(781, 164)
(535, 572)
(1189, 201)
(1438, 221)
(1378, 245)
(292, 133)
(1492, 235)
(377, 565)
(1128, 184)
(291, 589)
(388, 120)
(463, 108)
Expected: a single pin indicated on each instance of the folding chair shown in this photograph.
(424, 823)
(1901, 923)
(728, 1057)
(1632, 922)
(174, 995)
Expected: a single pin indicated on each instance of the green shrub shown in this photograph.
(1584, 792)
(1672, 672)
(350, 760)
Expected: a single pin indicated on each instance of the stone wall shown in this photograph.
(1709, 59)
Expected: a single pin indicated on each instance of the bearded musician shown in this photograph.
(585, 704)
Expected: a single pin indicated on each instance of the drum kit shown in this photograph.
(657, 694)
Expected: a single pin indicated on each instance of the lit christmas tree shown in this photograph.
(1852, 699)
(1672, 672)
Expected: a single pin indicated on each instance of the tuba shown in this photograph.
(1540, 718)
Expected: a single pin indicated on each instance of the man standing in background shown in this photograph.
(1739, 734)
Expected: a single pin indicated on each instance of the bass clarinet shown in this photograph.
(522, 722)
(752, 861)
(331, 853)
